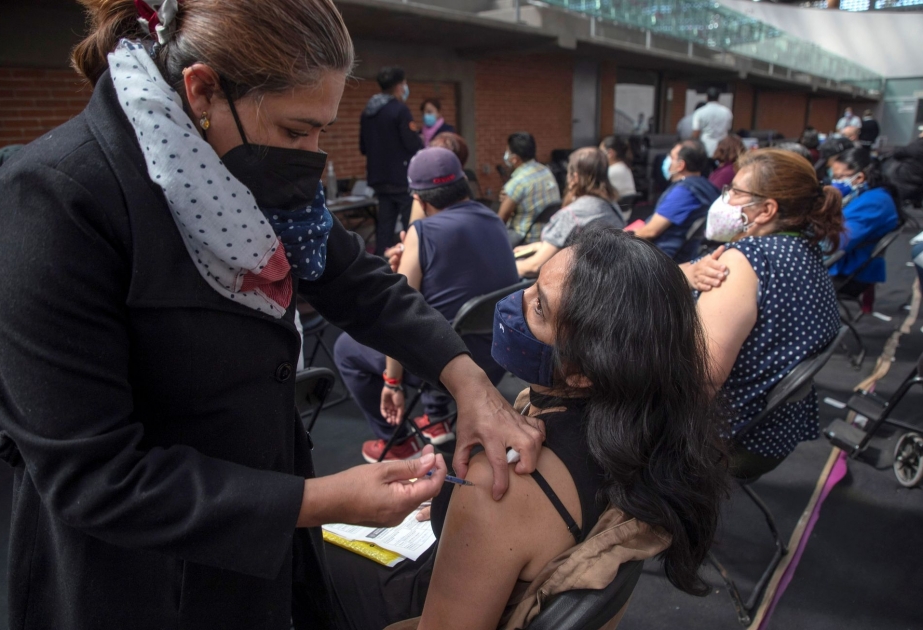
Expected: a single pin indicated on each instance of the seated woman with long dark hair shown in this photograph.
(777, 305)
(619, 376)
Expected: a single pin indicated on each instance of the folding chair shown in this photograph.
(695, 232)
(542, 217)
(794, 387)
(627, 205)
(853, 439)
(881, 247)
(846, 315)
(314, 325)
(311, 388)
(475, 317)
(589, 609)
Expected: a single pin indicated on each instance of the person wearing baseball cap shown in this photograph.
(458, 251)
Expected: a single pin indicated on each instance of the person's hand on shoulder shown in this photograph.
(707, 272)
(486, 418)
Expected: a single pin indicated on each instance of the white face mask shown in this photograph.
(506, 158)
(725, 221)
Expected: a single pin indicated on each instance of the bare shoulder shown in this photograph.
(734, 259)
(526, 508)
(740, 273)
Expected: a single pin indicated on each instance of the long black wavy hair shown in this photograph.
(628, 322)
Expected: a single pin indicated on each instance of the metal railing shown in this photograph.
(719, 28)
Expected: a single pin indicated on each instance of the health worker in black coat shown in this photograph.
(152, 249)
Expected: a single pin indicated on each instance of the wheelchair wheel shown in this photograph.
(908, 460)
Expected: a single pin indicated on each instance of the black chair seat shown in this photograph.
(587, 609)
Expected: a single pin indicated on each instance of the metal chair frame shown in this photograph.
(881, 247)
(311, 388)
(792, 388)
(475, 317)
(695, 231)
(846, 316)
(315, 327)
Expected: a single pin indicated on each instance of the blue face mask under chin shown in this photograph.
(516, 349)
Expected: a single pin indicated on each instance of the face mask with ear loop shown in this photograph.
(279, 178)
(725, 221)
(846, 187)
(285, 184)
(665, 167)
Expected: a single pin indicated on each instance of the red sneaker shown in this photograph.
(408, 449)
(438, 433)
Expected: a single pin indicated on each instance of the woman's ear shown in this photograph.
(859, 180)
(768, 211)
(202, 88)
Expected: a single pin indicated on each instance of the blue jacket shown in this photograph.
(868, 217)
(388, 143)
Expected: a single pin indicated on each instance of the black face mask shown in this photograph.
(279, 178)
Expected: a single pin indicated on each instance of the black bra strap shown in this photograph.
(556, 502)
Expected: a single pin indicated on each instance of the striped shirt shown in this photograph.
(532, 187)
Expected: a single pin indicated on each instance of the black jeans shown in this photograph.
(390, 207)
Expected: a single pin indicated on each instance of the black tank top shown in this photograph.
(566, 437)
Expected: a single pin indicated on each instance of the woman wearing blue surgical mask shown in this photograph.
(433, 122)
(618, 374)
(777, 305)
(870, 212)
(154, 248)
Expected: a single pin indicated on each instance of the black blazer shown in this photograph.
(159, 458)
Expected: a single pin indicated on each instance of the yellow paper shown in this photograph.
(366, 550)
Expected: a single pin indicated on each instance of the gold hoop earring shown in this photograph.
(204, 122)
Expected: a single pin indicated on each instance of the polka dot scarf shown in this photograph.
(233, 245)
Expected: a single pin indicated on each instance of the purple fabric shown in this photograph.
(430, 132)
(837, 472)
(722, 176)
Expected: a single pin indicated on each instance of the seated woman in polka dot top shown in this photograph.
(777, 306)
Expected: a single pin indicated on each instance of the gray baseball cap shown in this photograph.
(432, 168)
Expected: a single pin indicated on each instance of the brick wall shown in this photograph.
(743, 106)
(823, 113)
(676, 108)
(341, 141)
(607, 79)
(33, 101)
(784, 112)
(530, 93)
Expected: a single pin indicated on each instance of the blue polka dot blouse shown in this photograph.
(797, 317)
